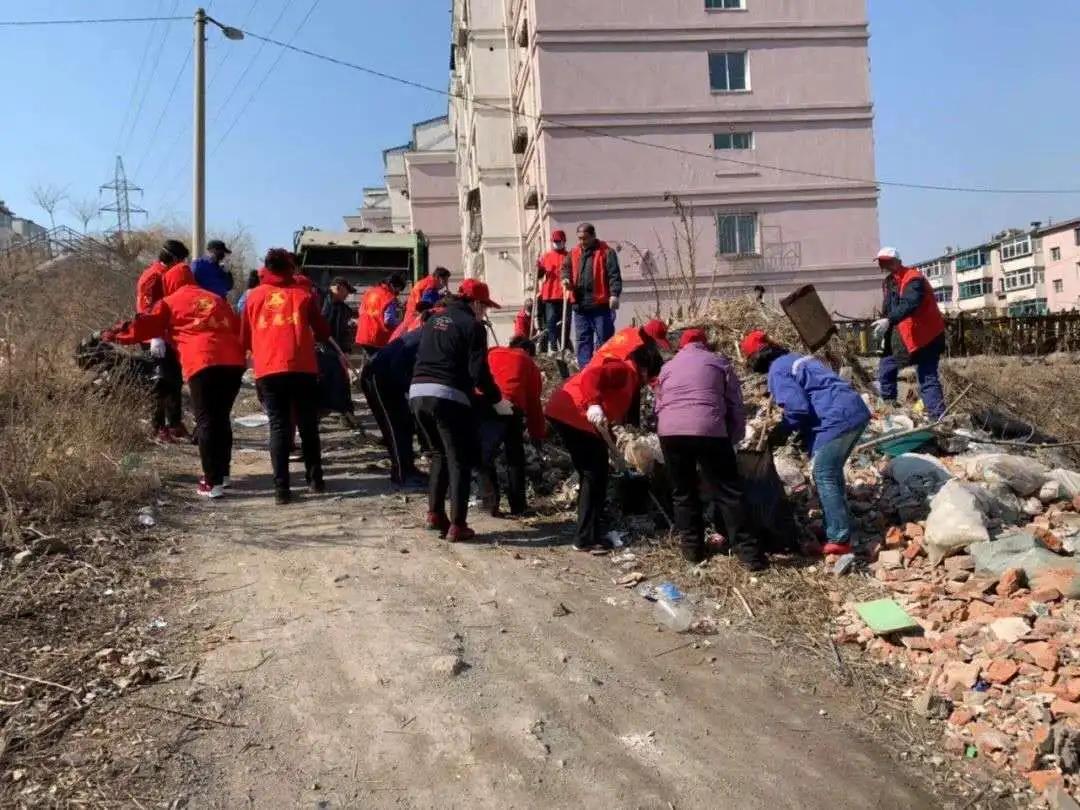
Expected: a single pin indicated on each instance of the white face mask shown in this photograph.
(560, 245)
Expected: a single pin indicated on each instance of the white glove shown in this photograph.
(566, 284)
(157, 348)
(504, 408)
(613, 303)
(595, 415)
(879, 326)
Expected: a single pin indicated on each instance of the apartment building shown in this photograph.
(1019, 272)
(15, 229)
(419, 193)
(746, 111)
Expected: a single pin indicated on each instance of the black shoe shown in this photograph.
(693, 553)
(317, 485)
(282, 497)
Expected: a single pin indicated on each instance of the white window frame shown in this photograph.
(731, 140)
(1059, 286)
(943, 295)
(727, 72)
(1015, 248)
(986, 287)
(1055, 254)
(754, 251)
(938, 269)
(1021, 279)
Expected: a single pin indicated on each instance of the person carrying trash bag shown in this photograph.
(451, 367)
(206, 333)
(700, 419)
(587, 403)
(828, 415)
(281, 323)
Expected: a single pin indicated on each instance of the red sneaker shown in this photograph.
(836, 549)
(459, 534)
(207, 491)
(439, 522)
(164, 436)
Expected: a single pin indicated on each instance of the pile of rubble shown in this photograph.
(976, 552)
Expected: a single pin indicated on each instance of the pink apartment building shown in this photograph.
(1061, 250)
(747, 111)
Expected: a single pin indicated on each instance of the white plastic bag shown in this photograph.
(1069, 480)
(1024, 476)
(918, 471)
(956, 520)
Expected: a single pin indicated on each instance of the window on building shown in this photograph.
(1015, 248)
(1036, 306)
(1076, 236)
(733, 140)
(736, 234)
(971, 259)
(725, 4)
(1059, 285)
(727, 70)
(1021, 279)
(973, 289)
(1055, 254)
(938, 269)
(943, 295)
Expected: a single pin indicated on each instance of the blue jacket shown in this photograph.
(211, 276)
(817, 403)
(392, 365)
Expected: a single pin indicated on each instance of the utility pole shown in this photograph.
(122, 206)
(198, 182)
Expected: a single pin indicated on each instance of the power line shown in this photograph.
(165, 109)
(135, 87)
(99, 21)
(626, 139)
(149, 81)
(229, 51)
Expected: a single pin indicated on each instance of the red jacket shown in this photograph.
(610, 384)
(202, 326)
(925, 323)
(601, 294)
(280, 325)
(519, 380)
(148, 289)
(371, 328)
(619, 346)
(549, 270)
(177, 276)
(418, 289)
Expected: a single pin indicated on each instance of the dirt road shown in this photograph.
(335, 625)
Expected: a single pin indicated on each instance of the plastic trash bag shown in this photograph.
(956, 520)
(1069, 480)
(918, 472)
(1024, 476)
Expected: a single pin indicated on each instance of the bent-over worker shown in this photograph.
(380, 313)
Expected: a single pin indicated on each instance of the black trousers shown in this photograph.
(390, 407)
(504, 433)
(589, 454)
(706, 464)
(168, 387)
(213, 392)
(287, 395)
(450, 430)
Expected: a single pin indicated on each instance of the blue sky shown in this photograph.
(966, 93)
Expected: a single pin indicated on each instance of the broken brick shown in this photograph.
(961, 562)
(1045, 595)
(1049, 540)
(1001, 670)
(894, 537)
(913, 550)
(957, 673)
(1010, 582)
(1026, 757)
(1072, 689)
(1041, 780)
(914, 531)
(1043, 653)
(1065, 708)
(961, 717)
(988, 738)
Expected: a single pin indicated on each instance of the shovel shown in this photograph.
(561, 362)
(627, 480)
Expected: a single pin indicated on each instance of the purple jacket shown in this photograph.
(698, 394)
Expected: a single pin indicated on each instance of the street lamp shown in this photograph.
(198, 185)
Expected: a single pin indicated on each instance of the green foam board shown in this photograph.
(885, 616)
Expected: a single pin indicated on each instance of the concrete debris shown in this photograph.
(449, 665)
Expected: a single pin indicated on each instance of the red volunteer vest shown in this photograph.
(610, 384)
(371, 328)
(549, 268)
(925, 323)
(599, 271)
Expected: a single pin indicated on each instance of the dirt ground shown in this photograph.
(327, 632)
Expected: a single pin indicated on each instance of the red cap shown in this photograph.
(753, 343)
(693, 336)
(558, 236)
(474, 290)
(657, 330)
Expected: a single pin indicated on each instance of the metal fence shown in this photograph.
(968, 335)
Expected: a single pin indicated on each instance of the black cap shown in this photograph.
(341, 281)
(217, 244)
(177, 249)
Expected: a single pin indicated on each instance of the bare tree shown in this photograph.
(85, 210)
(48, 198)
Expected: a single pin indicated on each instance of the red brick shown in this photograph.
(914, 531)
(913, 550)
(1041, 780)
(1065, 708)
(981, 611)
(1072, 689)
(988, 738)
(1041, 737)
(961, 717)
(1001, 671)
(1026, 757)
(894, 537)
(1045, 595)
(1010, 582)
(916, 642)
(1046, 626)
(1043, 653)
(1076, 503)
(1049, 540)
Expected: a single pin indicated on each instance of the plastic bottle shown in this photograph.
(671, 610)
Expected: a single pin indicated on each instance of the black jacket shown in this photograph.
(338, 314)
(453, 352)
(392, 366)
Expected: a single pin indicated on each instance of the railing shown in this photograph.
(1034, 334)
(60, 241)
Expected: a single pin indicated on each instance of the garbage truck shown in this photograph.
(362, 257)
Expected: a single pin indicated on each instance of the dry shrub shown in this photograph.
(62, 441)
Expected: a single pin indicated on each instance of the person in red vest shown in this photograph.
(438, 280)
(913, 332)
(549, 274)
(588, 402)
(281, 323)
(380, 313)
(166, 419)
(623, 342)
(518, 378)
(592, 278)
(206, 333)
(415, 319)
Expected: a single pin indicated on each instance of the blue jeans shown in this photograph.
(828, 469)
(926, 361)
(552, 337)
(592, 327)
